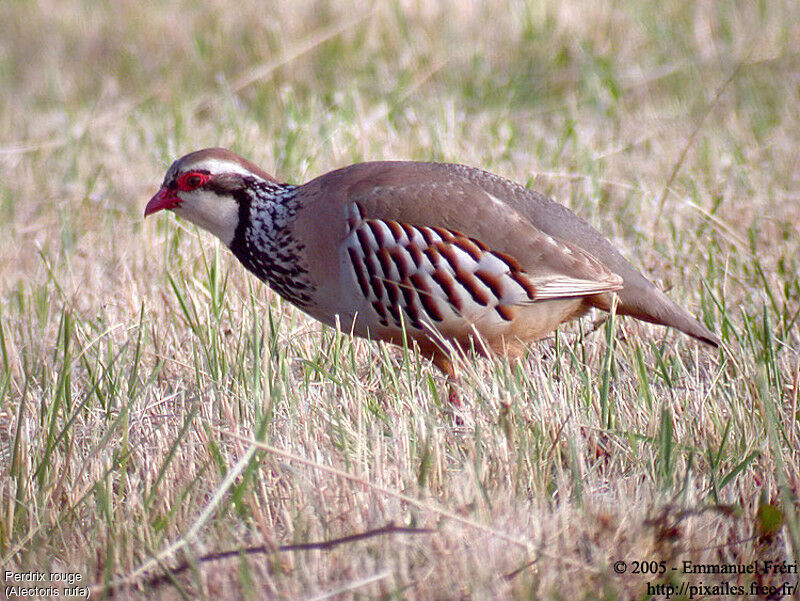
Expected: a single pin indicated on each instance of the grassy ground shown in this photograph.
(137, 359)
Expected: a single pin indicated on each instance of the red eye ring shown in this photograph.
(191, 180)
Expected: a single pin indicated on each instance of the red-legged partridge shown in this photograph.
(444, 251)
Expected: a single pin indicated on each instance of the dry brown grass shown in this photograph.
(135, 355)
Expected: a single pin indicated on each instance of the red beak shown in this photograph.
(164, 199)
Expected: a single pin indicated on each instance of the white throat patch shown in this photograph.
(217, 214)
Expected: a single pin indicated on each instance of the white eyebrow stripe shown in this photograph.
(219, 166)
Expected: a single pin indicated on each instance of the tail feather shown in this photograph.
(651, 305)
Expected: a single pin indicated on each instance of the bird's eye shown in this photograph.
(191, 181)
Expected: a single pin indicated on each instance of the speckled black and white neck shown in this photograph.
(263, 241)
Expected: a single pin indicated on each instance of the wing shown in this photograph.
(436, 195)
(639, 297)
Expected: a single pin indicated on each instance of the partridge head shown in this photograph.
(438, 252)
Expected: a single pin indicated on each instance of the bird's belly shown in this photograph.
(509, 338)
(533, 322)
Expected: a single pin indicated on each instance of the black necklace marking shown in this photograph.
(263, 240)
